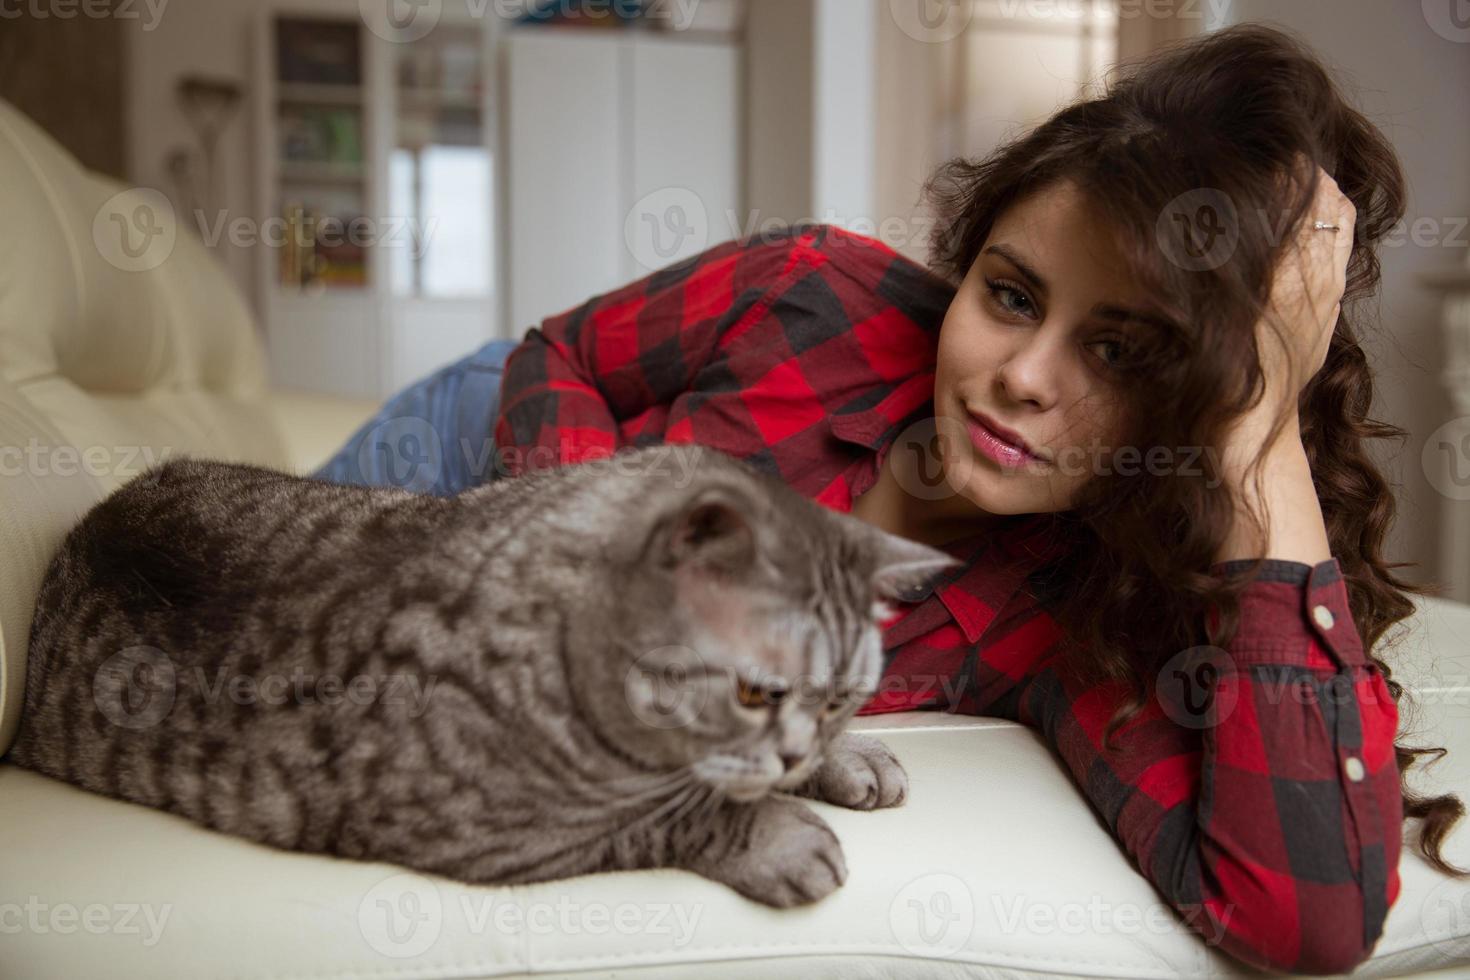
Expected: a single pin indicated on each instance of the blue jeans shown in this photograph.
(435, 436)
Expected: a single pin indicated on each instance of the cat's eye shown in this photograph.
(757, 696)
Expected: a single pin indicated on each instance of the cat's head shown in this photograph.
(748, 626)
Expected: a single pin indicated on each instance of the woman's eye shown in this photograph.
(1010, 298)
(1114, 351)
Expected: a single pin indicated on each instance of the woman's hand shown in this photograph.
(1306, 295)
(1292, 338)
(1294, 334)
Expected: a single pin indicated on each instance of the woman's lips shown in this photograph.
(1001, 449)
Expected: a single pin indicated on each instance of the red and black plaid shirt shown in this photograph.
(1269, 812)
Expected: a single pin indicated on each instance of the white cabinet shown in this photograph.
(564, 136)
(685, 131)
(622, 154)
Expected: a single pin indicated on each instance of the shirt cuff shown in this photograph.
(1294, 613)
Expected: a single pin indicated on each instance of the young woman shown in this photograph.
(1130, 398)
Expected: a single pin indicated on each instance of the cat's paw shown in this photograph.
(786, 855)
(858, 772)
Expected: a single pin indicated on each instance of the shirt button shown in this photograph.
(1323, 616)
(1353, 766)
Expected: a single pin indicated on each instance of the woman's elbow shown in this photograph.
(1327, 940)
(1332, 948)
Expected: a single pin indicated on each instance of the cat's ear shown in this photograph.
(901, 564)
(712, 528)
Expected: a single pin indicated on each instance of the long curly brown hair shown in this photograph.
(1182, 156)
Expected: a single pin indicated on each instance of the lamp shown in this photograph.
(208, 104)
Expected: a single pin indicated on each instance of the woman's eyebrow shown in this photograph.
(1027, 273)
(1105, 311)
(1123, 316)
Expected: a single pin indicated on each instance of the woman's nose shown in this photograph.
(1029, 375)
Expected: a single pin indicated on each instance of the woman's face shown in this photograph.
(1029, 347)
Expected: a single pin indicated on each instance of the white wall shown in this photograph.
(909, 109)
(845, 90)
(958, 87)
(209, 37)
(1415, 85)
(778, 109)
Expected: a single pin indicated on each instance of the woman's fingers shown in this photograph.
(1309, 286)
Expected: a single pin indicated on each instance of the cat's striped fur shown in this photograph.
(590, 662)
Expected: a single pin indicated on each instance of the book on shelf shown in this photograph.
(318, 251)
(321, 135)
(318, 52)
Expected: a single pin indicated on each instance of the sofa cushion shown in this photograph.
(113, 352)
(994, 867)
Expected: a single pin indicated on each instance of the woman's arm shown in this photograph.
(599, 376)
(742, 347)
(1285, 499)
(577, 378)
(1258, 791)
(1263, 460)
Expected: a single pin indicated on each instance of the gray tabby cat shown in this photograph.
(614, 667)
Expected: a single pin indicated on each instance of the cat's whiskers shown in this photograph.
(643, 777)
(695, 801)
(709, 808)
(600, 809)
(673, 802)
(624, 792)
(656, 796)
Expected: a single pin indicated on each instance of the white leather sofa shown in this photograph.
(995, 867)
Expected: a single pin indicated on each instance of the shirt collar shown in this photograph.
(875, 426)
(996, 564)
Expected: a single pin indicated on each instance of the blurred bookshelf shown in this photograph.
(375, 168)
(448, 145)
(321, 172)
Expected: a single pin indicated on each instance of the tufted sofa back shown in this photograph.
(121, 341)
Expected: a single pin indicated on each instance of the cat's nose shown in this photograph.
(790, 760)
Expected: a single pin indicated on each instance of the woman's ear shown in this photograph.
(901, 564)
